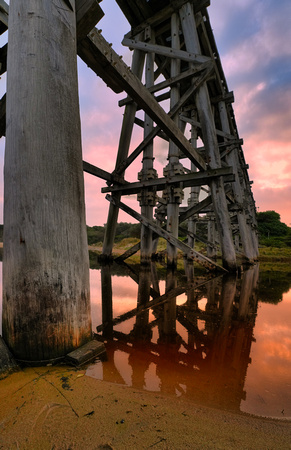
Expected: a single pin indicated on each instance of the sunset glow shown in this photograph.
(253, 41)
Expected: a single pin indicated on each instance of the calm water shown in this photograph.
(222, 342)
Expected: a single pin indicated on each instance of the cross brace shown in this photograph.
(188, 180)
(191, 253)
(95, 44)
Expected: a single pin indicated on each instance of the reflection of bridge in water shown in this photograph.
(200, 352)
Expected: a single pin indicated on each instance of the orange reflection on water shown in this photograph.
(268, 381)
(197, 348)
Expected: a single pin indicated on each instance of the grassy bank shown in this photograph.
(266, 254)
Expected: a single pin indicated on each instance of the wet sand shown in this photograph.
(62, 408)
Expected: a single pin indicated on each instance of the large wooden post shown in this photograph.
(46, 304)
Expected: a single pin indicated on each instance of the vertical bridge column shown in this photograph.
(46, 304)
(195, 190)
(211, 145)
(232, 160)
(123, 149)
(147, 198)
(174, 195)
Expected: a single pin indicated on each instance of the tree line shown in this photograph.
(272, 232)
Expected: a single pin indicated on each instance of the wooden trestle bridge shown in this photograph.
(174, 48)
(45, 244)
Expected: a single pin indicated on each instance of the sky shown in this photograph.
(253, 40)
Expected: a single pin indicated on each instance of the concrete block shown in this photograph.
(86, 353)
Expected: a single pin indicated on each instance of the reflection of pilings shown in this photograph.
(211, 305)
(214, 366)
(227, 297)
(168, 322)
(170, 306)
(256, 270)
(249, 280)
(156, 303)
(107, 312)
(155, 279)
(229, 350)
(191, 295)
(142, 330)
(192, 301)
(228, 292)
(212, 290)
(110, 372)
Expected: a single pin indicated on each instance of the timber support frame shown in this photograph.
(181, 60)
(186, 103)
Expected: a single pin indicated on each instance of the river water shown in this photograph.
(222, 342)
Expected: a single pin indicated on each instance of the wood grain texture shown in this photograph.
(46, 305)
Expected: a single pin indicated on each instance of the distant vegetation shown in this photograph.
(273, 232)
(123, 230)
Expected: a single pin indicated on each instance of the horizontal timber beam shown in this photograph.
(103, 174)
(231, 145)
(164, 14)
(227, 97)
(88, 13)
(165, 51)
(195, 123)
(191, 253)
(159, 184)
(199, 207)
(4, 11)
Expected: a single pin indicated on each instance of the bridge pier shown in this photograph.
(46, 304)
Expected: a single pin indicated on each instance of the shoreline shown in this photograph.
(63, 408)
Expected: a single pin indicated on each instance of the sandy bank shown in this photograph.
(62, 408)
